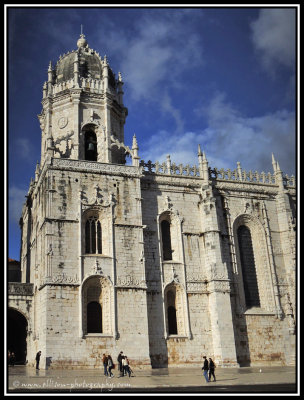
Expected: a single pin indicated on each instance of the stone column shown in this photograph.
(287, 233)
(220, 312)
(76, 120)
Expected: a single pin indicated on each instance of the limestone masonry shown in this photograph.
(164, 262)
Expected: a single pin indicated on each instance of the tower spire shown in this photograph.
(81, 41)
(273, 163)
(135, 158)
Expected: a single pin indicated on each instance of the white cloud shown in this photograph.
(23, 149)
(250, 140)
(230, 137)
(15, 203)
(273, 35)
(153, 53)
(180, 147)
(158, 53)
(168, 108)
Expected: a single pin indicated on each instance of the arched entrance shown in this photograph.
(16, 335)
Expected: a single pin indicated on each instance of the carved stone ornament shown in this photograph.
(96, 269)
(98, 199)
(20, 289)
(168, 207)
(62, 122)
(197, 287)
(92, 120)
(60, 278)
(130, 282)
(222, 286)
(167, 203)
(80, 165)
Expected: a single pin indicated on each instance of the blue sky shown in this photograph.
(222, 77)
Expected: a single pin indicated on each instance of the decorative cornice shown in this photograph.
(129, 282)
(92, 166)
(250, 187)
(60, 279)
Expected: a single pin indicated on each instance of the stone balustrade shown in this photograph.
(242, 176)
(238, 174)
(170, 169)
(20, 289)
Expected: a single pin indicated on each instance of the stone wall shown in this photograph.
(204, 274)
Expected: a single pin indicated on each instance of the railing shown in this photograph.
(89, 83)
(170, 169)
(238, 174)
(20, 289)
(242, 176)
(96, 85)
(59, 87)
(290, 180)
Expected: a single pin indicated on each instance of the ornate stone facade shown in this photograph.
(145, 258)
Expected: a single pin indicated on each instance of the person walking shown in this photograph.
(105, 364)
(124, 366)
(119, 359)
(12, 359)
(110, 366)
(127, 366)
(205, 369)
(211, 370)
(38, 355)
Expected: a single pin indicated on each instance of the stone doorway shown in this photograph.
(16, 335)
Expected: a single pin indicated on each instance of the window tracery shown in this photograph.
(93, 236)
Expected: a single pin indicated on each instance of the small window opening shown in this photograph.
(90, 146)
(166, 240)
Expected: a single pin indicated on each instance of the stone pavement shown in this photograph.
(26, 378)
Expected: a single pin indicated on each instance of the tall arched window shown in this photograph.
(94, 317)
(172, 323)
(171, 312)
(166, 240)
(251, 290)
(93, 236)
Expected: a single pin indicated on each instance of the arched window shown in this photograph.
(90, 146)
(166, 240)
(171, 312)
(97, 306)
(93, 236)
(172, 323)
(94, 317)
(248, 267)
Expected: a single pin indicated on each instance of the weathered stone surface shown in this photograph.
(129, 278)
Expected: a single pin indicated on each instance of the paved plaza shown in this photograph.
(21, 378)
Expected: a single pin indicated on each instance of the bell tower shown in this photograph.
(82, 229)
(83, 114)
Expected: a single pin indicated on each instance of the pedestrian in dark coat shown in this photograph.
(110, 366)
(12, 359)
(119, 359)
(211, 369)
(105, 364)
(205, 369)
(38, 359)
